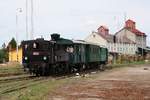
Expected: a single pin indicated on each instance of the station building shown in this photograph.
(13, 55)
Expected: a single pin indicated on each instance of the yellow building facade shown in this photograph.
(13, 55)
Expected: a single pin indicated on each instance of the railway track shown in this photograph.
(19, 82)
(21, 85)
(15, 78)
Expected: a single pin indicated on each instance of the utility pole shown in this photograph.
(125, 18)
(32, 19)
(18, 10)
(27, 20)
(17, 35)
(142, 45)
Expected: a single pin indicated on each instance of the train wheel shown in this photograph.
(66, 68)
(53, 70)
(82, 67)
(37, 73)
(47, 70)
(71, 69)
(102, 67)
(62, 69)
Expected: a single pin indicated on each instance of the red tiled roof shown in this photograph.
(103, 27)
(129, 20)
(136, 31)
(133, 29)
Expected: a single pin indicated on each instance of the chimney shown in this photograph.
(55, 36)
(103, 30)
(130, 24)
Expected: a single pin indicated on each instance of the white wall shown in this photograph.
(126, 33)
(122, 48)
(97, 39)
(139, 40)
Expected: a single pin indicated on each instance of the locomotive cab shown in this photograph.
(62, 48)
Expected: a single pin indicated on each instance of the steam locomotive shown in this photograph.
(61, 56)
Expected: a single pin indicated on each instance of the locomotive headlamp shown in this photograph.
(26, 58)
(44, 58)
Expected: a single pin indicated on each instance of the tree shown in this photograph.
(12, 44)
(2, 56)
(4, 46)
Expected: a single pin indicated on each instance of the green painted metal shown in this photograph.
(63, 41)
(103, 56)
(93, 53)
(79, 53)
(84, 53)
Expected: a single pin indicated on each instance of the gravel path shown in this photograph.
(127, 83)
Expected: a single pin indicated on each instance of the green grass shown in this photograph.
(25, 89)
(38, 88)
(39, 91)
(13, 69)
(128, 64)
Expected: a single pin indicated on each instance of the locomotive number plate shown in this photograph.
(35, 53)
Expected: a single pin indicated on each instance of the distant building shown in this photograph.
(101, 37)
(131, 34)
(13, 55)
(104, 38)
(94, 37)
(134, 36)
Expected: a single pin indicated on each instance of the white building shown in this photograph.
(131, 33)
(97, 39)
(102, 37)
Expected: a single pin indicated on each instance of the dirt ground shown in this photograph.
(127, 83)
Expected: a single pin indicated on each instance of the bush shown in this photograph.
(3, 55)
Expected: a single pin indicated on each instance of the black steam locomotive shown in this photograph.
(60, 56)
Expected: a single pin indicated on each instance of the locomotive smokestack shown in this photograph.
(55, 36)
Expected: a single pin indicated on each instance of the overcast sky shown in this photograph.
(73, 18)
